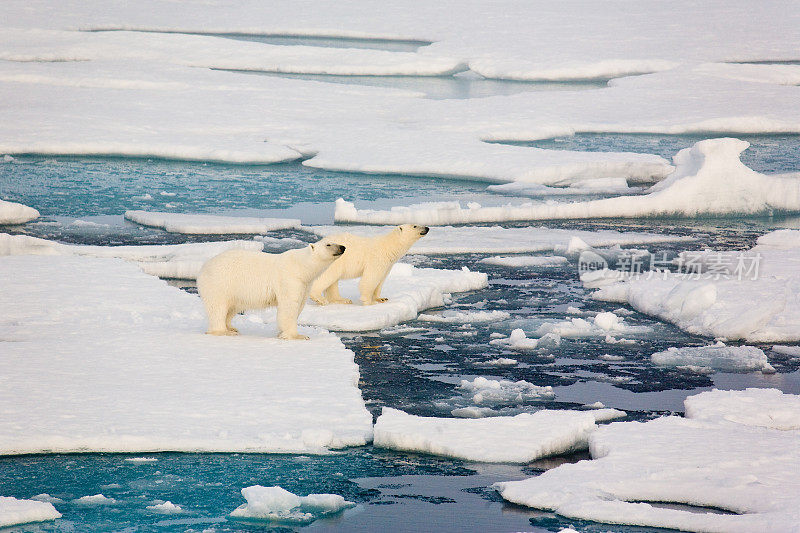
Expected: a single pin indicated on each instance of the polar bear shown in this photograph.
(370, 258)
(238, 280)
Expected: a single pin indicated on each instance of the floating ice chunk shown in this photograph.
(769, 408)
(609, 357)
(277, 504)
(603, 324)
(141, 460)
(576, 188)
(501, 361)
(717, 357)
(521, 261)
(520, 342)
(44, 497)
(787, 350)
(748, 471)
(490, 392)
(499, 240)
(165, 508)
(474, 412)
(14, 213)
(499, 439)
(138, 338)
(466, 317)
(209, 224)
(97, 499)
(14, 511)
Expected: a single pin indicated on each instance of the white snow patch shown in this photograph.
(522, 261)
(499, 240)
(209, 224)
(716, 357)
(14, 511)
(465, 317)
(500, 439)
(85, 332)
(704, 460)
(277, 504)
(14, 213)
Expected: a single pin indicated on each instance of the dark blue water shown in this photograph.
(416, 370)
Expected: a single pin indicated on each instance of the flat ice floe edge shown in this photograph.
(209, 224)
(14, 511)
(725, 455)
(717, 357)
(518, 439)
(15, 213)
(139, 337)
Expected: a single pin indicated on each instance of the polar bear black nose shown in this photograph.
(425, 230)
(340, 250)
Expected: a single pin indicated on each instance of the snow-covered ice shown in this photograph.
(522, 261)
(14, 511)
(768, 408)
(492, 392)
(98, 356)
(179, 261)
(705, 460)
(499, 240)
(165, 508)
(95, 499)
(519, 341)
(276, 504)
(717, 357)
(14, 213)
(465, 317)
(502, 439)
(209, 224)
(762, 306)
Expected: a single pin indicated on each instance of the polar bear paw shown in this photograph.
(293, 337)
(381, 300)
(341, 301)
(225, 332)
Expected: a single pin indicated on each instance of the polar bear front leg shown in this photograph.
(289, 307)
(219, 316)
(325, 281)
(230, 329)
(376, 296)
(370, 284)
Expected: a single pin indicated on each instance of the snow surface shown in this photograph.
(209, 224)
(765, 309)
(179, 261)
(709, 179)
(14, 213)
(522, 261)
(98, 356)
(717, 357)
(14, 511)
(277, 504)
(768, 408)
(496, 239)
(702, 460)
(502, 439)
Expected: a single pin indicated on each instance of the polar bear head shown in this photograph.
(326, 250)
(411, 233)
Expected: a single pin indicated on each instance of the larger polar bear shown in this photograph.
(239, 280)
(370, 258)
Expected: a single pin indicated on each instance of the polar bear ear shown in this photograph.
(401, 228)
(312, 247)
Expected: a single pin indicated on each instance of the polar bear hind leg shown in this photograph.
(289, 307)
(219, 318)
(325, 290)
(370, 285)
(333, 296)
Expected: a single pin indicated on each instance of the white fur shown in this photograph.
(370, 258)
(239, 280)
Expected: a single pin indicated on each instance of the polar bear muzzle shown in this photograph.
(338, 249)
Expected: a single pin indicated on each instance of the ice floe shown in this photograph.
(768, 408)
(498, 240)
(276, 504)
(704, 461)
(750, 296)
(209, 224)
(492, 392)
(522, 261)
(14, 511)
(465, 317)
(14, 213)
(519, 341)
(96, 499)
(165, 508)
(717, 357)
(178, 261)
(98, 356)
(503, 439)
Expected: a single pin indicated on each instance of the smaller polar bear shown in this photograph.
(239, 280)
(370, 258)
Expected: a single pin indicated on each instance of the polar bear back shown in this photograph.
(242, 279)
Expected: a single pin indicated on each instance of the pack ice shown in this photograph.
(759, 302)
(14, 511)
(727, 454)
(209, 224)
(98, 356)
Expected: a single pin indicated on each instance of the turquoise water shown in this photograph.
(416, 371)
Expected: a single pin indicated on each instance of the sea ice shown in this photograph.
(465, 317)
(704, 461)
(277, 504)
(14, 511)
(522, 261)
(717, 357)
(97, 499)
(165, 508)
(492, 392)
(499, 240)
(99, 356)
(14, 213)
(501, 439)
(520, 342)
(209, 224)
(753, 298)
